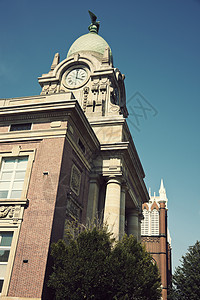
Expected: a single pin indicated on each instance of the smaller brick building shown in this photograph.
(155, 234)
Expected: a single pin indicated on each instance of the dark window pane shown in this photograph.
(9, 162)
(1, 284)
(6, 238)
(18, 127)
(4, 254)
(81, 145)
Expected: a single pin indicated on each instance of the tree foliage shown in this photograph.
(93, 266)
(136, 275)
(186, 278)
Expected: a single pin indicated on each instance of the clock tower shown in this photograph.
(65, 154)
(89, 75)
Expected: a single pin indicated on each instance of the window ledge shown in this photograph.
(14, 201)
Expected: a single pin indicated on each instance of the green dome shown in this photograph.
(90, 42)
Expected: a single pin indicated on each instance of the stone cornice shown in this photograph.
(114, 146)
(43, 107)
(37, 107)
(119, 120)
(127, 152)
(35, 99)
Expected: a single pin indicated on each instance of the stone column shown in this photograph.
(122, 212)
(132, 222)
(93, 198)
(112, 206)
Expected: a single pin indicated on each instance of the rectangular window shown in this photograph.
(5, 245)
(18, 127)
(145, 223)
(154, 222)
(81, 145)
(12, 176)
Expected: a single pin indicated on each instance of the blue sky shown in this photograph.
(156, 44)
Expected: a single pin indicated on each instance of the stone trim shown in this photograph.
(16, 230)
(11, 211)
(18, 153)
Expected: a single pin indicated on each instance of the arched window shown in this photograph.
(154, 222)
(145, 223)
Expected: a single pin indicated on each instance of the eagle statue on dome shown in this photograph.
(94, 26)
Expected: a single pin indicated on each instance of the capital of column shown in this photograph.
(114, 179)
(141, 217)
(133, 223)
(133, 212)
(94, 178)
(124, 187)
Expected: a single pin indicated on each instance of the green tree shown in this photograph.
(186, 278)
(93, 266)
(135, 273)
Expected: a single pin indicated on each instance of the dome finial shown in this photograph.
(94, 26)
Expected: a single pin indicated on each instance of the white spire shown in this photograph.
(162, 191)
(150, 192)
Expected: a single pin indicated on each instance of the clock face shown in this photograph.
(76, 77)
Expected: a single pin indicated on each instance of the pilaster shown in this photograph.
(93, 198)
(122, 212)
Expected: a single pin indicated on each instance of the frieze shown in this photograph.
(35, 116)
(10, 212)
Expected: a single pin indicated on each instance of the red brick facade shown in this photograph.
(49, 194)
(158, 245)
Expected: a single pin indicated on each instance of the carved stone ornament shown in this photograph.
(16, 213)
(85, 98)
(75, 181)
(73, 209)
(114, 108)
(6, 211)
